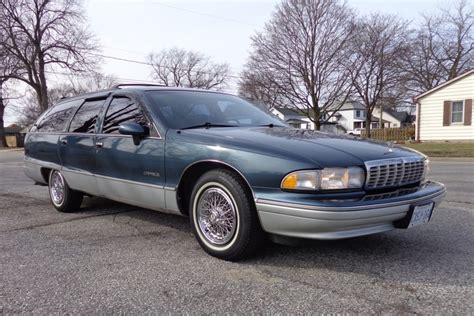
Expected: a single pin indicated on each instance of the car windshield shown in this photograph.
(194, 109)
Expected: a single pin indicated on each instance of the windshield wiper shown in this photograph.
(209, 125)
(271, 125)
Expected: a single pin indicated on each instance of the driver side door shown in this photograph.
(133, 174)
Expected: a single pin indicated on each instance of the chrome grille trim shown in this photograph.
(394, 172)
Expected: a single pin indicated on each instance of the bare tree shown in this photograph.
(42, 35)
(8, 68)
(92, 81)
(29, 111)
(3, 140)
(256, 87)
(379, 45)
(181, 68)
(442, 48)
(302, 52)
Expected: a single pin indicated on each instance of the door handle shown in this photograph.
(99, 144)
(64, 141)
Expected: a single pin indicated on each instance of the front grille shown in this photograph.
(388, 195)
(396, 172)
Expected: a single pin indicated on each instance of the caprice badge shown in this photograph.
(151, 174)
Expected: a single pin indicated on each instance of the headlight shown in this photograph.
(325, 179)
(426, 168)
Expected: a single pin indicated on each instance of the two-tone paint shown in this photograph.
(153, 173)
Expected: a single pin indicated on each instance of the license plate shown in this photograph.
(421, 214)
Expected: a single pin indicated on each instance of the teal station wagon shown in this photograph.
(238, 173)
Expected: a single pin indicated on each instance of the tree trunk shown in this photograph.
(381, 125)
(42, 97)
(3, 140)
(43, 88)
(368, 121)
(317, 125)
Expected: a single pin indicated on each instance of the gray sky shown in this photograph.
(220, 29)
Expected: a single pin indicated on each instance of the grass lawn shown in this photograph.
(444, 149)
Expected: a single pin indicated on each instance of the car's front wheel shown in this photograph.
(223, 216)
(63, 198)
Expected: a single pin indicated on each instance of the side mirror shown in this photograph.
(136, 130)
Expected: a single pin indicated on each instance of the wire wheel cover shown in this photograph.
(216, 215)
(57, 188)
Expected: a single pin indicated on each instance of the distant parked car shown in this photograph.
(356, 131)
(238, 172)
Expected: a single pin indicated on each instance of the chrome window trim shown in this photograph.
(90, 134)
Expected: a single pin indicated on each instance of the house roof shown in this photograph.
(348, 105)
(466, 74)
(12, 129)
(289, 111)
(293, 120)
(376, 119)
(400, 116)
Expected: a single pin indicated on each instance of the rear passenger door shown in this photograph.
(42, 140)
(77, 147)
(126, 172)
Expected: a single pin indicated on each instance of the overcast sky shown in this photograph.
(220, 29)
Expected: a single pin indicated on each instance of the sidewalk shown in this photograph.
(6, 150)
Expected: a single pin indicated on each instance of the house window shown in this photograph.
(457, 112)
(358, 113)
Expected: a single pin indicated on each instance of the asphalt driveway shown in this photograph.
(114, 258)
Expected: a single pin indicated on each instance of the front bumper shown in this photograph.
(343, 219)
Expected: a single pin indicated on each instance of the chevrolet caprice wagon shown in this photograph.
(237, 172)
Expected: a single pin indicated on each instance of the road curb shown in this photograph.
(10, 150)
(460, 159)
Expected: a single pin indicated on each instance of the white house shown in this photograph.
(299, 120)
(445, 112)
(394, 118)
(352, 115)
(293, 117)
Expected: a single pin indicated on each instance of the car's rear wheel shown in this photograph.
(63, 198)
(223, 216)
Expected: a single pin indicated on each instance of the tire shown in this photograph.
(220, 198)
(63, 198)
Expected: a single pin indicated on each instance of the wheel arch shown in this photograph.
(192, 173)
(45, 174)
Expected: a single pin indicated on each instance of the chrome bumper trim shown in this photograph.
(350, 208)
(319, 222)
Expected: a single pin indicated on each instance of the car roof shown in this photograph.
(133, 88)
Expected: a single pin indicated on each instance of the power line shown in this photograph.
(118, 78)
(206, 14)
(148, 63)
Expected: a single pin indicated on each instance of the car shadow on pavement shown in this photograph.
(391, 256)
(102, 206)
(400, 255)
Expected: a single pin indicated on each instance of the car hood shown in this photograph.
(325, 149)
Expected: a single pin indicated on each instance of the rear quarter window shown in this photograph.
(56, 119)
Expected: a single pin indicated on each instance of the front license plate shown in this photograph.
(421, 214)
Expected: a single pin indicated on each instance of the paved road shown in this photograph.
(112, 257)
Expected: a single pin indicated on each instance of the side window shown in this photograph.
(57, 117)
(122, 110)
(86, 117)
(457, 112)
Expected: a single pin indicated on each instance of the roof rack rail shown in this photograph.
(117, 86)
